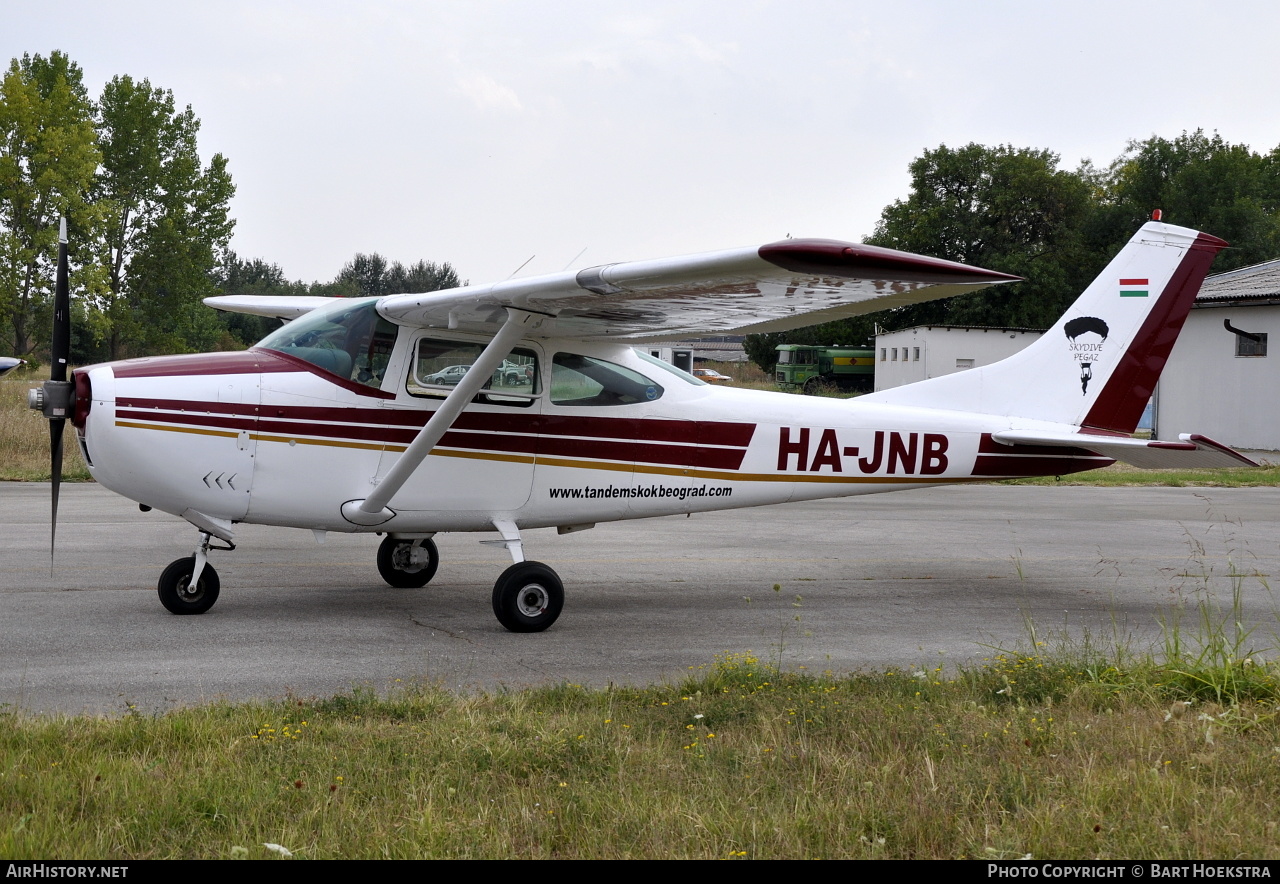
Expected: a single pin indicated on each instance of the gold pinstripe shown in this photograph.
(604, 466)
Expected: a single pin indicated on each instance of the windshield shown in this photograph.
(348, 339)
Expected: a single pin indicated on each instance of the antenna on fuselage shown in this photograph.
(574, 258)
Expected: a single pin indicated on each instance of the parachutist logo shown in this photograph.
(1084, 346)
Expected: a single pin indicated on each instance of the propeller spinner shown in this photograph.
(55, 396)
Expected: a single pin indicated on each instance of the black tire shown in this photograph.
(812, 386)
(175, 591)
(528, 597)
(396, 569)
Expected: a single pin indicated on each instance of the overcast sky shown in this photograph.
(482, 133)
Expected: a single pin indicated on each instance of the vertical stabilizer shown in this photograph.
(1099, 364)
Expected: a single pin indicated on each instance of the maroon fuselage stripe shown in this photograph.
(1119, 406)
(650, 429)
(252, 361)
(987, 445)
(995, 466)
(195, 364)
(650, 452)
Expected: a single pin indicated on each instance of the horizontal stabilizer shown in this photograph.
(1190, 452)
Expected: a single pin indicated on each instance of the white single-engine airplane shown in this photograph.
(523, 405)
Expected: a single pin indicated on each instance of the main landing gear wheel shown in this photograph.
(407, 567)
(528, 597)
(176, 592)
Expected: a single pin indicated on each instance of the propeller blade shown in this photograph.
(56, 427)
(60, 345)
(57, 391)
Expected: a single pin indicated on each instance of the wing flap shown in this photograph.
(1191, 451)
(775, 287)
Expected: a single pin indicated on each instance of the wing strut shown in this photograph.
(373, 510)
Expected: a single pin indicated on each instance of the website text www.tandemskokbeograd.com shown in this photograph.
(641, 491)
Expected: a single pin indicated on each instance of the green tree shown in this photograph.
(1004, 208)
(367, 273)
(1198, 181)
(165, 226)
(424, 276)
(48, 154)
(373, 275)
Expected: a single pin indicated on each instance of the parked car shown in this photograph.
(447, 376)
(711, 376)
(513, 374)
(509, 374)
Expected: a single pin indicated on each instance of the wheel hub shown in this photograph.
(405, 559)
(532, 600)
(188, 592)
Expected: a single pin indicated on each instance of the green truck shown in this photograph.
(812, 368)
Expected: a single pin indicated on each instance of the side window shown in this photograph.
(439, 365)
(585, 380)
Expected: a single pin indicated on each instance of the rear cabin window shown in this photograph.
(348, 339)
(587, 381)
(439, 365)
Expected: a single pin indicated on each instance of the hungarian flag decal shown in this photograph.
(1133, 288)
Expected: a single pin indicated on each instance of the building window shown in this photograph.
(1246, 347)
(884, 354)
(895, 355)
(915, 356)
(962, 364)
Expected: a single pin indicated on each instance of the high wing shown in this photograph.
(275, 306)
(775, 287)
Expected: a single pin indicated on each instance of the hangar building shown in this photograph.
(928, 351)
(1220, 380)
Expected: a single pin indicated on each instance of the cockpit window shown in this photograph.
(585, 380)
(348, 339)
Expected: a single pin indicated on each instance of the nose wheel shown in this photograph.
(179, 595)
(190, 585)
(528, 597)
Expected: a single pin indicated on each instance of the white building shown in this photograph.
(1220, 380)
(685, 354)
(928, 351)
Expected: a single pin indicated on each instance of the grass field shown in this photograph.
(24, 436)
(1038, 753)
